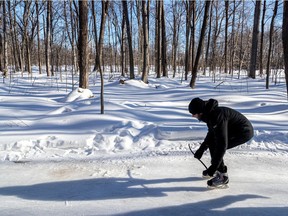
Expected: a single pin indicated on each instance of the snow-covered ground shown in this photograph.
(60, 156)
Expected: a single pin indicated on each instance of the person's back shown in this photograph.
(238, 126)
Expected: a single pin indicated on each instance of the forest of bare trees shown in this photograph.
(136, 38)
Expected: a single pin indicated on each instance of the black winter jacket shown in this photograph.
(227, 128)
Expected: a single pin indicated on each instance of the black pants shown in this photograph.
(232, 142)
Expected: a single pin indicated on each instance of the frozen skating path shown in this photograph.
(152, 184)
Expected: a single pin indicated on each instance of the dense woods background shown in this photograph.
(137, 37)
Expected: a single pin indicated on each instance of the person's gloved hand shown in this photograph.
(198, 154)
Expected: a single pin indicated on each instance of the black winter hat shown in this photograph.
(196, 106)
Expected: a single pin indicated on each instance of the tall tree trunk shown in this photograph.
(26, 38)
(284, 40)
(226, 36)
(83, 45)
(48, 38)
(262, 39)
(1, 46)
(13, 39)
(208, 42)
(122, 47)
(234, 38)
(52, 52)
(73, 42)
(200, 45)
(175, 42)
(158, 40)
(71, 38)
(163, 42)
(131, 58)
(5, 46)
(188, 41)
(38, 38)
(145, 43)
(241, 56)
(270, 44)
(105, 5)
(254, 48)
(140, 53)
(193, 35)
(95, 34)
(216, 32)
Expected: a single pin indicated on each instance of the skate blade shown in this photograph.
(207, 177)
(224, 186)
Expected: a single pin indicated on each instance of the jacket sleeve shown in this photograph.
(208, 140)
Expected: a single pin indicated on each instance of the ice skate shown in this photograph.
(220, 181)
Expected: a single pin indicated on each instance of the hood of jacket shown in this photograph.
(210, 105)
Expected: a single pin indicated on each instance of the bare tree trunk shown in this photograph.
(116, 37)
(48, 38)
(253, 57)
(110, 48)
(95, 34)
(163, 42)
(18, 46)
(270, 44)
(262, 39)
(158, 40)
(71, 37)
(123, 66)
(52, 53)
(226, 36)
(73, 41)
(241, 41)
(1, 46)
(189, 6)
(145, 43)
(105, 5)
(234, 38)
(13, 39)
(208, 42)
(200, 45)
(26, 38)
(148, 30)
(216, 32)
(99, 57)
(131, 58)
(193, 35)
(140, 55)
(83, 45)
(5, 46)
(38, 38)
(284, 40)
(176, 28)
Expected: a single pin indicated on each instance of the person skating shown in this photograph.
(227, 128)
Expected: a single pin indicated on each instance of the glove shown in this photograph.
(198, 154)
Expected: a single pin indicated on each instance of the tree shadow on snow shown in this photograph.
(211, 207)
(122, 188)
(98, 189)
